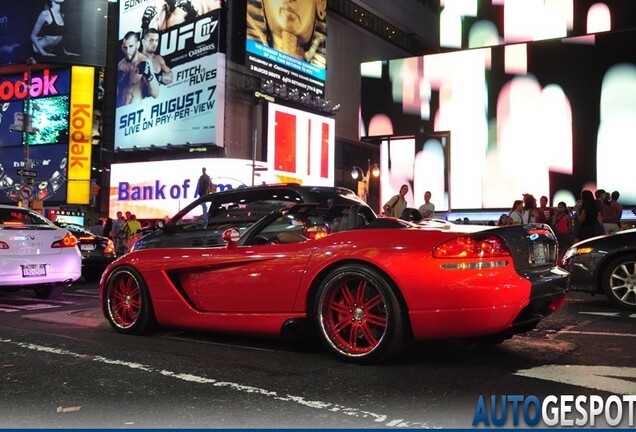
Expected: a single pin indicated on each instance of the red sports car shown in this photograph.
(367, 285)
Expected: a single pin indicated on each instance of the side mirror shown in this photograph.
(231, 237)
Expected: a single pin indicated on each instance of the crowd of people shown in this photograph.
(592, 215)
(123, 231)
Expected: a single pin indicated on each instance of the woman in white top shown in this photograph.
(516, 213)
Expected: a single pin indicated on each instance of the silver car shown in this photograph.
(34, 253)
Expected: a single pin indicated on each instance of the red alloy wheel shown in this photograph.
(124, 300)
(354, 315)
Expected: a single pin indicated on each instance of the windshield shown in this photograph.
(22, 218)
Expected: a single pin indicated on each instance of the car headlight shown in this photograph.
(577, 251)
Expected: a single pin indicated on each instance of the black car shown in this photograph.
(203, 221)
(97, 251)
(605, 265)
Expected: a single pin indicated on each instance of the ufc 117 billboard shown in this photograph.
(287, 43)
(67, 32)
(167, 74)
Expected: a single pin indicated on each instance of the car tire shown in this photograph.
(358, 315)
(619, 281)
(127, 302)
(50, 292)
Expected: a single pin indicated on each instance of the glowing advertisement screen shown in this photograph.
(548, 118)
(287, 43)
(47, 145)
(135, 188)
(481, 23)
(68, 32)
(50, 120)
(49, 107)
(51, 168)
(168, 68)
(300, 146)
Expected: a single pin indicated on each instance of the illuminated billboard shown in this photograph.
(59, 147)
(287, 43)
(69, 32)
(154, 190)
(300, 146)
(50, 165)
(548, 118)
(50, 120)
(80, 135)
(481, 23)
(168, 71)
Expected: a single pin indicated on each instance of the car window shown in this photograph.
(76, 229)
(20, 217)
(290, 226)
(239, 215)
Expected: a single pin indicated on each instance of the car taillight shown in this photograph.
(469, 247)
(3, 245)
(69, 240)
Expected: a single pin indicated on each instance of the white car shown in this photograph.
(36, 254)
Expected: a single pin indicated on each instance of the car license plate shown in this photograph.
(87, 247)
(539, 253)
(33, 270)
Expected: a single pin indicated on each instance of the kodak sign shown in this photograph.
(80, 135)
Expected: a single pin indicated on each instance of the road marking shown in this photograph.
(605, 314)
(28, 307)
(381, 419)
(603, 378)
(608, 314)
(596, 333)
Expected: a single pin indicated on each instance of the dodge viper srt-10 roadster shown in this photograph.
(366, 285)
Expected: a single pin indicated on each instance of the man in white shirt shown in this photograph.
(428, 208)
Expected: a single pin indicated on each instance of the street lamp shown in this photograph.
(363, 178)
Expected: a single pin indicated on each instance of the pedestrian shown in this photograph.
(396, 205)
(590, 222)
(609, 215)
(618, 207)
(515, 217)
(428, 208)
(204, 187)
(530, 213)
(504, 219)
(120, 235)
(108, 228)
(561, 222)
(544, 212)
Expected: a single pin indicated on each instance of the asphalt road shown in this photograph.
(61, 365)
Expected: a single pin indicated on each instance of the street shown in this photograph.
(61, 365)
